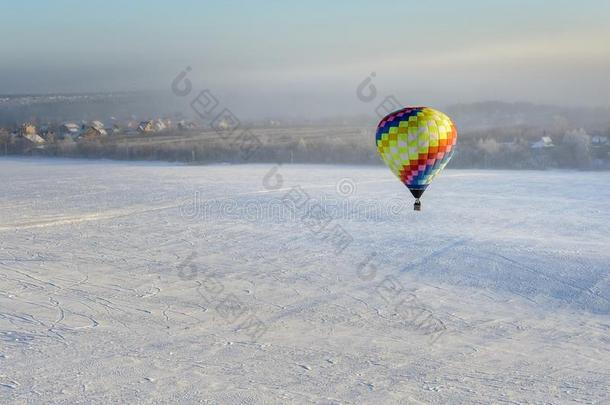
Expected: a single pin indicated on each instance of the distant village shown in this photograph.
(29, 136)
(153, 139)
(573, 148)
(184, 140)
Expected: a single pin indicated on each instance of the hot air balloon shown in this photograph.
(416, 143)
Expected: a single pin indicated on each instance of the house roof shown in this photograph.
(34, 138)
(544, 142)
(144, 124)
(99, 131)
(97, 124)
(71, 126)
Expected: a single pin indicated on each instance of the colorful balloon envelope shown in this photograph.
(416, 143)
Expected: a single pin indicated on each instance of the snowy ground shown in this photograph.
(157, 283)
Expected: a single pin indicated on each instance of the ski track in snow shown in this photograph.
(111, 291)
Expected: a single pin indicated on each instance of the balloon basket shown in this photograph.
(417, 205)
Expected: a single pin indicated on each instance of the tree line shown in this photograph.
(508, 148)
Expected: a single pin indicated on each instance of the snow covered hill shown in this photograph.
(262, 284)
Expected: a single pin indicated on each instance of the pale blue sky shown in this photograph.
(440, 52)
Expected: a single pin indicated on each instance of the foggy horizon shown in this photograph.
(282, 58)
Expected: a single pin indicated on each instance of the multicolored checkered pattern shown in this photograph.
(416, 143)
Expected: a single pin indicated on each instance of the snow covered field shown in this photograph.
(159, 283)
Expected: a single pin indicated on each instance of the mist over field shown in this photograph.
(492, 134)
